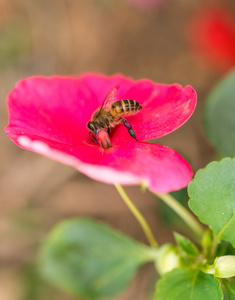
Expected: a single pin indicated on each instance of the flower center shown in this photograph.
(103, 139)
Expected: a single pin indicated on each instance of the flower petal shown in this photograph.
(58, 108)
(49, 116)
(165, 108)
(160, 168)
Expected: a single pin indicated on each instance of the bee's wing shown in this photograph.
(110, 97)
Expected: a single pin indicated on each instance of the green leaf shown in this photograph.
(219, 116)
(212, 194)
(230, 289)
(89, 259)
(188, 285)
(186, 245)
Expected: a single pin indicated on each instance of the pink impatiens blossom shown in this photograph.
(49, 116)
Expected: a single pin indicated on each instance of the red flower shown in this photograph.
(49, 116)
(211, 34)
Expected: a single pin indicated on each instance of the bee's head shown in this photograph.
(91, 126)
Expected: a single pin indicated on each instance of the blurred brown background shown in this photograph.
(69, 37)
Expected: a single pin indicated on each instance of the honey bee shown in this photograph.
(111, 113)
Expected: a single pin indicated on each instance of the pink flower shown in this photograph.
(211, 35)
(49, 116)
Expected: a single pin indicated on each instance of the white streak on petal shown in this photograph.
(100, 173)
(24, 141)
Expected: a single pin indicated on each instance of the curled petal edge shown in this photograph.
(104, 174)
(125, 178)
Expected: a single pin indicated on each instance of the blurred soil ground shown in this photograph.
(69, 37)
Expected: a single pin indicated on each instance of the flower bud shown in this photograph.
(167, 259)
(224, 266)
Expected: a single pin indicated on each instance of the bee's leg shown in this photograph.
(129, 127)
(91, 135)
(108, 126)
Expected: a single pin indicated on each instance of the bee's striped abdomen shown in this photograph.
(124, 107)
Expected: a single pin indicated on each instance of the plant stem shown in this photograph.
(214, 246)
(143, 223)
(187, 217)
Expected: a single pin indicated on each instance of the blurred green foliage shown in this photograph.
(219, 115)
(15, 44)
